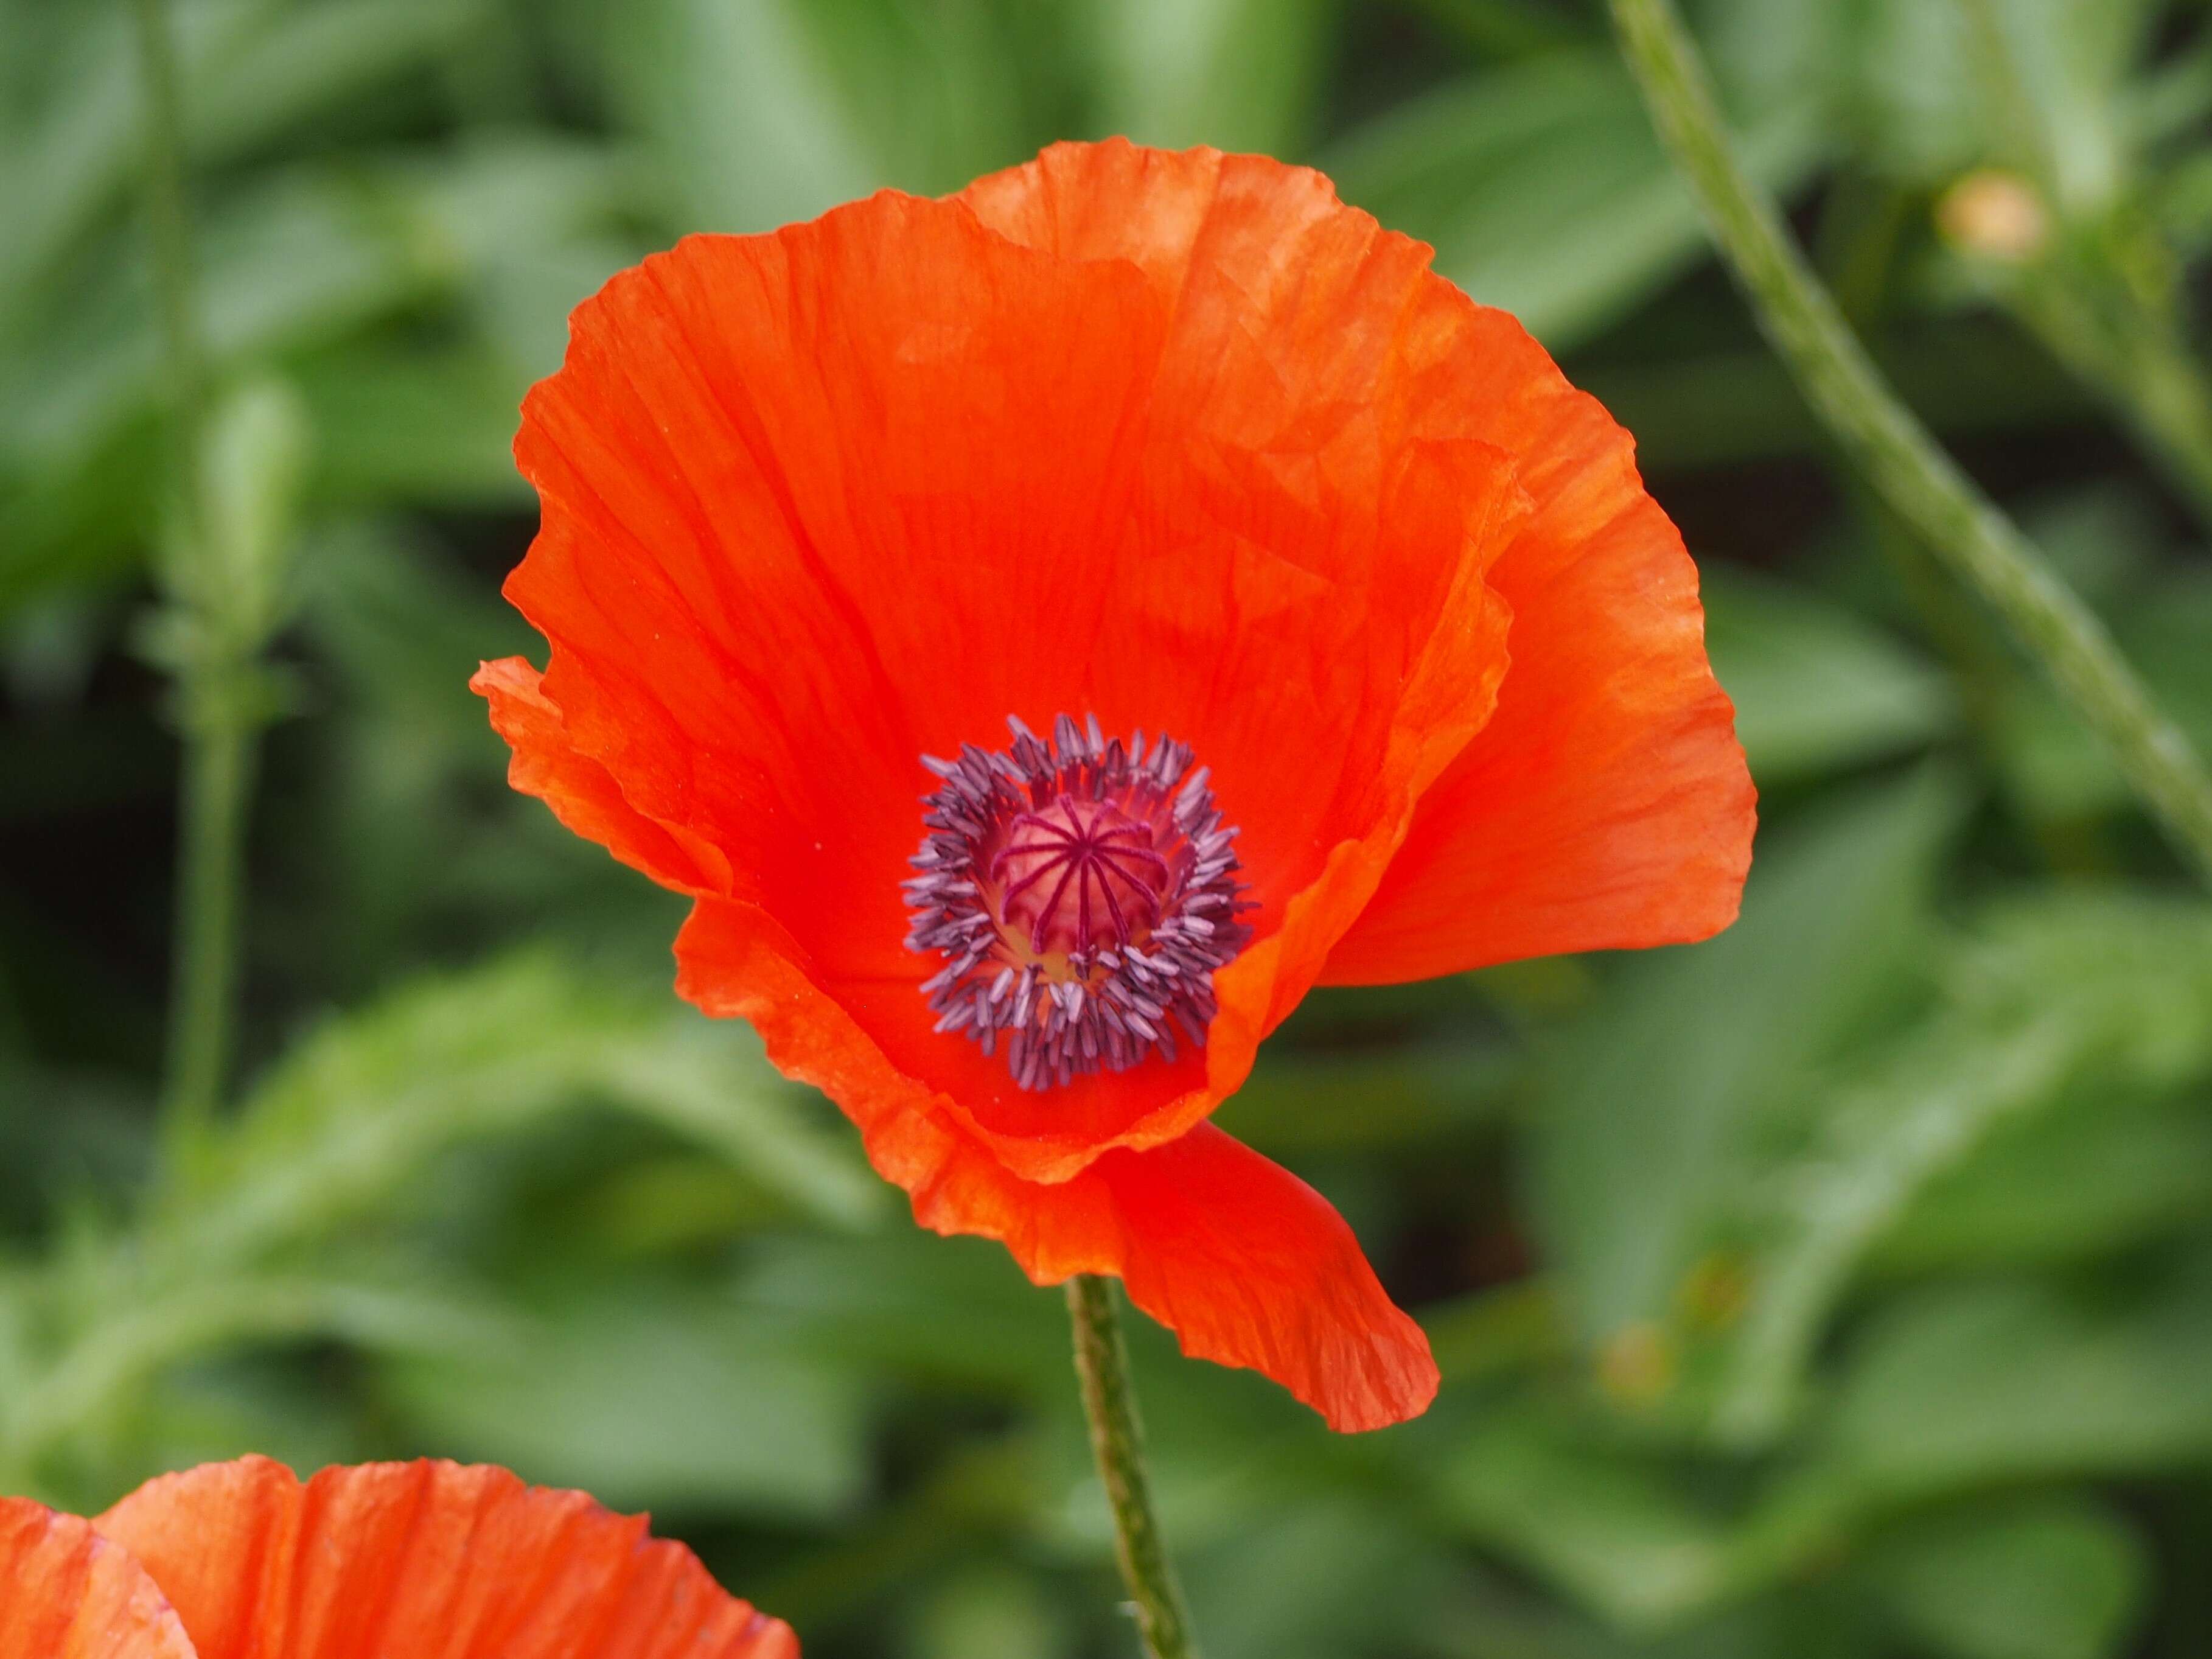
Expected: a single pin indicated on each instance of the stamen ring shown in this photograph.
(1080, 893)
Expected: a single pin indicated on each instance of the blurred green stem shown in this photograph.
(218, 744)
(1897, 455)
(211, 869)
(2130, 349)
(1117, 1442)
(168, 226)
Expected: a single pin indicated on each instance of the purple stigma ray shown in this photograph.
(1080, 894)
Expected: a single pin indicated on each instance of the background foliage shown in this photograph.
(1843, 1287)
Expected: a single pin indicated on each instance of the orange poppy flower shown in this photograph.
(431, 1560)
(1118, 442)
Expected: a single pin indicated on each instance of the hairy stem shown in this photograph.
(1117, 1442)
(1899, 460)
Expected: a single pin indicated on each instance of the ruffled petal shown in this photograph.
(66, 1593)
(428, 1560)
(819, 502)
(583, 793)
(1607, 804)
(1246, 1263)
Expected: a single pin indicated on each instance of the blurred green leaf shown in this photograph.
(2036, 85)
(1495, 1332)
(1815, 689)
(988, 1612)
(2029, 1578)
(527, 226)
(300, 263)
(401, 629)
(210, 1409)
(354, 1109)
(714, 1085)
(1767, 54)
(764, 112)
(1965, 1385)
(432, 427)
(415, 837)
(747, 126)
(2054, 766)
(297, 61)
(348, 1118)
(1240, 74)
(954, 1312)
(1617, 1536)
(296, 262)
(2067, 60)
(1543, 190)
(1306, 1583)
(251, 70)
(2103, 1170)
(1306, 1104)
(2122, 986)
(130, 1340)
(1726, 408)
(649, 1396)
(1657, 1100)
(1509, 28)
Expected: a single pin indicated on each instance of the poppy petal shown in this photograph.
(1607, 804)
(766, 469)
(1246, 1263)
(583, 793)
(819, 502)
(428, 1559)
(67, 1592)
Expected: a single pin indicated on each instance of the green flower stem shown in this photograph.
(218, 744)
(167, 222)
(1900, 461)
(219, 759)
(1117, 1441)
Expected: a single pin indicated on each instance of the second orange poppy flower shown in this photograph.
(423, 1560)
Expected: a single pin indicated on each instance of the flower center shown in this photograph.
(1079, 875)
(1081, 894)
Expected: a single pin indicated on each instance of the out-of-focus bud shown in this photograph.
(253, 464)
(1996, 214)
(227, 555)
